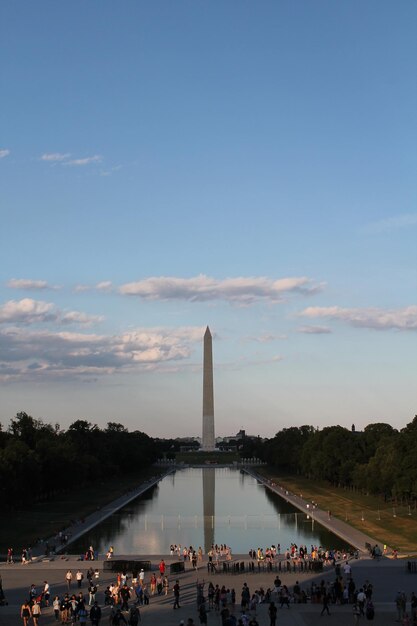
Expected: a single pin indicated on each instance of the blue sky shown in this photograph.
(168, 165)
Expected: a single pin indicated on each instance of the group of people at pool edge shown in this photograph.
(126, 596)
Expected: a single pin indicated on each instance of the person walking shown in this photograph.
(134, 616)
(325, 602)
(68, 579)
(36, 612)
(361, 599)
(202, 614)
(118, 618)
(25, 613)
(92, 590)
(79, 578)
(177, 595)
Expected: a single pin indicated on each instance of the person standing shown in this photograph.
(65, 609)
(82, 614)
(153, 584)
(55, 606)
(166, 585)
(272, 612)
(245, 597)
(177, 595)
(401, 603)
(413, 602)
(125, 595)
(162, 568)
(202, 613)
(95, 614)
(46, 592)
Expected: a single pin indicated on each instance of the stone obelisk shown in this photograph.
(208, 396)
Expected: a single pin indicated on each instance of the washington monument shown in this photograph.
(208, 396)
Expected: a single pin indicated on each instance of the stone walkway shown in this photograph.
(351, 535)
(77, 530)
(388, 576)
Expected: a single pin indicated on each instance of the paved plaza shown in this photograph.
(388, 576)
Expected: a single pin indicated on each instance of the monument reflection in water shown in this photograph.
(209, 483)
(200, 507)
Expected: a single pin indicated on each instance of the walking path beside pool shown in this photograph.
(351, 535)
(75, 531)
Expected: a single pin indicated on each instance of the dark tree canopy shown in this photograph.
(379, 460)
(43, 457)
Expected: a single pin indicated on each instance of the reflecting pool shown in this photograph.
(200, 507)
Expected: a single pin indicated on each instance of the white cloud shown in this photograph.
(55, 157)
(81, 288)
(44, 354)
(4, 152)
(266, 338)
(397, 222)
(105, 285)
(314, 330)
(26, 311)
(111, 171)
(28, 284)
(202, 288)
(77, 317)
(379, 319)
(29, 311)
(97, 158)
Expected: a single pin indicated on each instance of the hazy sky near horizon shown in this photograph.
(248, 165)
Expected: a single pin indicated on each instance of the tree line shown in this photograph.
(379, 460)
(38, 460)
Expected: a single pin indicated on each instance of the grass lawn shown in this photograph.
(199, 458)
(21, 528)
(394, 525)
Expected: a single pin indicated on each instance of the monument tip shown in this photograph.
(207, 331)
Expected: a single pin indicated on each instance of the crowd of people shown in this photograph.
(127, 595)
(302, 553)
